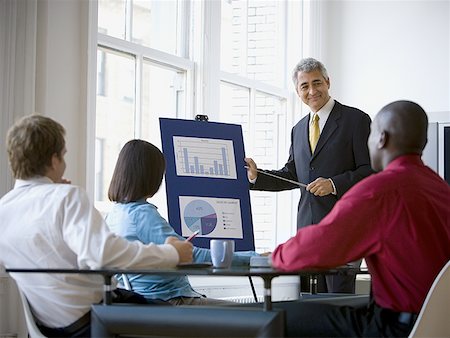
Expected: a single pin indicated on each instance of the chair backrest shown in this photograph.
(434, 316)
(139, 320)
(33, 330)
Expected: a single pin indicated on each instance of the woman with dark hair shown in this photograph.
(137, 176)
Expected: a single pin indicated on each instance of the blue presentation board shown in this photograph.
(206, 182)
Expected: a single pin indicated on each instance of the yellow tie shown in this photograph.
(314, 132)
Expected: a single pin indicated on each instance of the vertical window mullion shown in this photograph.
(128, 19)
(138, 98)
(252, 117)
(211, 59)
(184, 18)
(183, 46)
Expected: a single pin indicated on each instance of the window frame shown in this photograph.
(201, 62)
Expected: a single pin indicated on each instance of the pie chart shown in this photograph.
(200, 215)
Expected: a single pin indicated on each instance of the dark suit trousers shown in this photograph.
(328, 319)
(331, 283)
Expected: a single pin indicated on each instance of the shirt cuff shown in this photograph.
(253, 181)
(334, 187)
(170, 253)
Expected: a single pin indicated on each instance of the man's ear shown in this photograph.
(383, 140)
(55, 160)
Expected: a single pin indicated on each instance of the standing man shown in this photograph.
(328, 153)
(397, 219)
(47, 223)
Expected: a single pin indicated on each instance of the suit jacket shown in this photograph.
(341, 154)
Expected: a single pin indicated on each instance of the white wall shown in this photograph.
(61, 75)
(380, 51)
(17, 66)
(43, 68)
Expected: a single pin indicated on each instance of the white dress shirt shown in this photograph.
(323, 113)
(48, 225)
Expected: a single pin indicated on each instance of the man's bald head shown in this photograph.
(399, 128)
(407, 124)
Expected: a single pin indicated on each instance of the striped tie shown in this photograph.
(314, 132)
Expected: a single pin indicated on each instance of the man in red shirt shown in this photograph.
(397, 219)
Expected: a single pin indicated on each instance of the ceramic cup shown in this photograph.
(222, 253)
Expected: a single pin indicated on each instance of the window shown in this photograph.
(252, 39)
(136, 84)
(150, 18)
(115, 114)
(226, 59)
(112, 17)
(163, 94)
(252, 94)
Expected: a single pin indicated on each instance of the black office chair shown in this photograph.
(123, 320)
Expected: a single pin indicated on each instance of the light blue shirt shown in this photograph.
(141, 221)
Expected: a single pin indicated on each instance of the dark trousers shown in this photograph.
(82, 327)
(327, 319)
(339, 283)
(330, 284)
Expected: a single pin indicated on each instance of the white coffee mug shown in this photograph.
(222, 252)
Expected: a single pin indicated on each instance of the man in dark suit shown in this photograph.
(328, 153)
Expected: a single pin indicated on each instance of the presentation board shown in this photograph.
(206, 182)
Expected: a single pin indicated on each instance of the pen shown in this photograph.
(192, 236)
(279, 177)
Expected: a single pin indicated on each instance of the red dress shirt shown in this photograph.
(398, 220)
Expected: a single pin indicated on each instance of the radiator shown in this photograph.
(243, 299)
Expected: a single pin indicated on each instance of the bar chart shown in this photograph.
(204, 157)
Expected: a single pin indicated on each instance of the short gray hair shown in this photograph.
(308, 65)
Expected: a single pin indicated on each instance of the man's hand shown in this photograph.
(184, 249)
(251, 170)
(320, 187)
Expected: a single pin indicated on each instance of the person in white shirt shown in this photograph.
(48, 223)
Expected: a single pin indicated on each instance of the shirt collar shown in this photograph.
(34, 180)
(325, 111)
(414, 159)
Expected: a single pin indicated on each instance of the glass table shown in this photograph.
(266, 273)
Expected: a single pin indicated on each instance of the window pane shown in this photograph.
(268, 110)
(252, 39)
(111, 17)
(235, 106)
(261, 139)
(163, 95)
(115, 115)
(155, 24)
